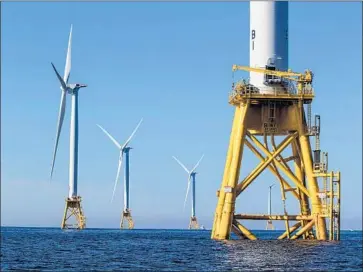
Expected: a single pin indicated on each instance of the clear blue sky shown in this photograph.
(171, 64)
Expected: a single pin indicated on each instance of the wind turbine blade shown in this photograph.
(132, 134)
(64, 86)
(182, 165)
(186, 196)
(109, 135)
(117, 176)
(195, 167)
(62, 107)
(67, 69)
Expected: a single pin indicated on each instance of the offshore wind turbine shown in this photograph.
(193, 224)
(73, 201)
(124, 149)
(269, 222)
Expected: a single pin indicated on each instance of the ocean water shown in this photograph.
(51, 249)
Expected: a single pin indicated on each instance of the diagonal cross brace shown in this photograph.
(258, 154)
(279, 164)
(262, 166)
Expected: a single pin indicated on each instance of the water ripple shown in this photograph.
(50, 249)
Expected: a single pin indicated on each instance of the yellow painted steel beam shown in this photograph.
(307, 77)
(248, 180)
(258, 154)
(282, 161)
(300, 174)
(283, 191)
(257, 98)
(236, 231)
(221, 194)
(331, 195)
(338, 206)
(224, 227)
(303, 230)
(262, 166)
(291, 158)
(244, 230)
(325, 175)
(272, 217)
(296, 151)
(291, 230)
(311, 180)
(64, 219)
(279, 164)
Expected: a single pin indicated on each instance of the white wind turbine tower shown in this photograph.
(73, 202)
(124, 149)
(193, 224)
(269, 225)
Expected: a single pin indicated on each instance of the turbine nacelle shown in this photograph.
(125, 149)
(69, 88)
(77, 85)
(72, 88)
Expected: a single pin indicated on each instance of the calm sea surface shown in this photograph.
(51, 249)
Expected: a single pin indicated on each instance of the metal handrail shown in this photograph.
(283, 90)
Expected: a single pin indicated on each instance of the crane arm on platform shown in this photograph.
(307, 77)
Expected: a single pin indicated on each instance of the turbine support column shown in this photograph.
(193, 224)
(126, 213)
(127, 179)
(73, 151)
(269, 225)
(193, 195)
(73, 208)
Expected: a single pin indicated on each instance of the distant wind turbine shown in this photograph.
(191, 178)
(269, 222)
(124, 149)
